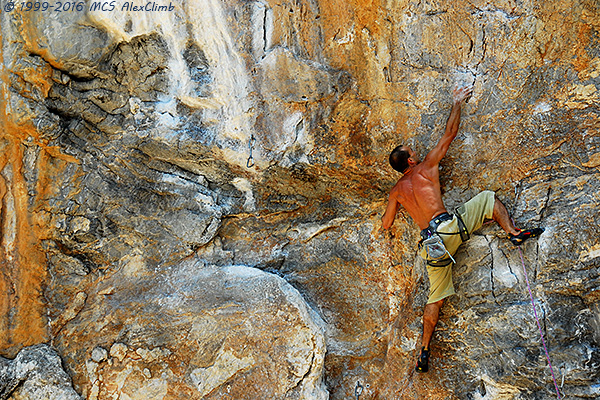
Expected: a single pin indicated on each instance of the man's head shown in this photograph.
(403, 157)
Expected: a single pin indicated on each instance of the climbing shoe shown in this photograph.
(517, 240)
(423, 361)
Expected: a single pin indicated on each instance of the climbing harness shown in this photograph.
(539, 325)
(250, 162)
(434, 245)
(358, 390)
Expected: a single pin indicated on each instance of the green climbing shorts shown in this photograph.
(473, 213)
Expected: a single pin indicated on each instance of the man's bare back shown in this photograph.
(419, 193)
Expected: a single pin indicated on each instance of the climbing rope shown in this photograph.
(538, 324)
(250, 162)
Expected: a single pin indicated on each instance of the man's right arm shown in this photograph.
(390, 212)
(439, 151)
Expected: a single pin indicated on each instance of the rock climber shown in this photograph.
(418, 191)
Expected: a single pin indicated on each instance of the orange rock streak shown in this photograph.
(23, 267)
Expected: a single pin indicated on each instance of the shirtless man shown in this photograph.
(418, 191)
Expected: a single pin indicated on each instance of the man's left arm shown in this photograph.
(439, 151)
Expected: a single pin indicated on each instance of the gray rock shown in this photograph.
(36, 373)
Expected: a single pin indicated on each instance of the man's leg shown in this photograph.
(503, 219)
(430, 319)
(517, 236)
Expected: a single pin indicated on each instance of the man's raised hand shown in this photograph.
(462, 93)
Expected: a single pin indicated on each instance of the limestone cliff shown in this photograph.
(190, 198)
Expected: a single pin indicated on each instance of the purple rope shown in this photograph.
(538, 324)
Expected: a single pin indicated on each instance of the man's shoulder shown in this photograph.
(400, 187)
(430, 160)
(427, 168)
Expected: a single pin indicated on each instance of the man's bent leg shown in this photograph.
(517, 236)
(486, 206)
(503, 219)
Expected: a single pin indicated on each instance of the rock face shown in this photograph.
(36, 373)
(194, 331)
(190, 197)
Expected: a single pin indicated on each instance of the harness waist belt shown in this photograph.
(434, 223)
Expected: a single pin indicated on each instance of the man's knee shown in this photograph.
(499, 209)
(432, 311)
(436, 305)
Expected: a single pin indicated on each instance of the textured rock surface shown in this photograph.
(193, 331)
(124, 149)
(36, 373)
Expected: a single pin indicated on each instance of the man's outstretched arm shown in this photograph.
(439, 151)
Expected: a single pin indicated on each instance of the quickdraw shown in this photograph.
(250, 162)
(358, 390)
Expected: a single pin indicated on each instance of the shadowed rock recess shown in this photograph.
(190, 200)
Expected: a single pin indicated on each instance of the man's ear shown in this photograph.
(411, 161)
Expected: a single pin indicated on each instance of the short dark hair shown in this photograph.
(399, 159)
